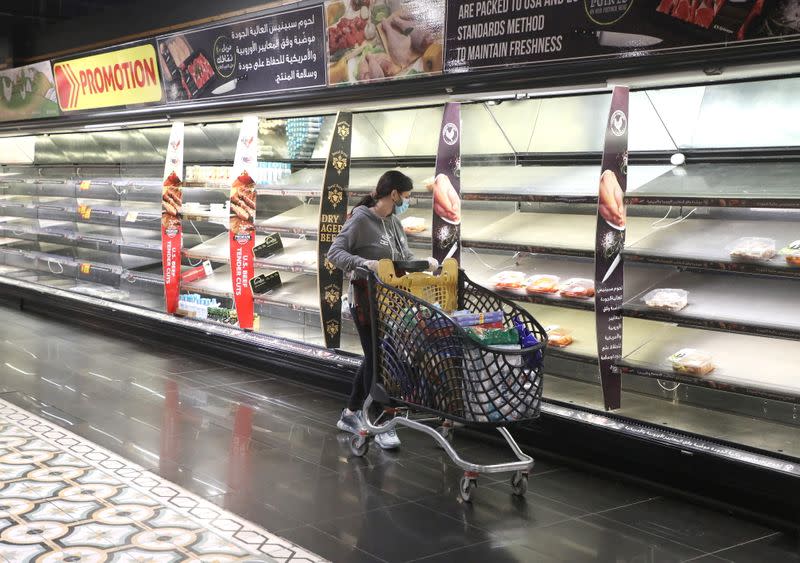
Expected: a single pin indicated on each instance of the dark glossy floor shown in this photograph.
(267, 450)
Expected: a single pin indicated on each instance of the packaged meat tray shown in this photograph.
(753, 248)
(413, 225)
(692, 362)
(542, 283)
(558, 337)
(792, 253)
(577, 287)
(508, 280)
(667, 299)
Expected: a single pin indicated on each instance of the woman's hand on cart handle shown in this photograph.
(433, 264)
(371, 265)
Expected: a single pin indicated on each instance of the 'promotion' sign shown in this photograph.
(115, 78)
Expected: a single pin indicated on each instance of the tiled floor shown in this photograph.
(266, 450)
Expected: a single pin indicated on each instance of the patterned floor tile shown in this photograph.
(64, 499)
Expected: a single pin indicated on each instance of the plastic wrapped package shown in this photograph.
(792, 253)
(558, 337)
(542, 283)
(413, 225)
(753, 248)
(667, 299)
(577, 287)
(508, 280)
(692, 362)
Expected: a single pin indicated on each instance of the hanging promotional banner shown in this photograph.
(609, 244)
(242, 237)
(332, 215)
(500, 33)
(282, 51)
(369, 41)
(28, 92)
(446, 187)
(122, 77)
(171, 228)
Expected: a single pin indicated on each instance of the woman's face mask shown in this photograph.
(402, 207)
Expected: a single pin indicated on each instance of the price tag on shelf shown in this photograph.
(131, 217)
(85, 212)
(86, 268)
(85, 185)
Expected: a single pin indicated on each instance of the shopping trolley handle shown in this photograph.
(412, 265)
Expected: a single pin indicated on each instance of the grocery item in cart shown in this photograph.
(558, 337)
(753, 248)
(577, 287)
(692, 362)
(667, 298)
(508, 279)
(542, 283)
(468, 318)
(493, 336)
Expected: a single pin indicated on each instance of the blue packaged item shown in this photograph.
(526, 340)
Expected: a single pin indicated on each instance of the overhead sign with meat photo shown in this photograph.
(372, 40)
(277, 52)
(28, 92)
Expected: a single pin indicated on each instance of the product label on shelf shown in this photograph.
(609, 244)
(282, 51)
(242, 235)
(332, 215)
(115, 78)
(446, 225)
(171, 227)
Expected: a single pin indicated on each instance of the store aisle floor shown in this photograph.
(266, 451)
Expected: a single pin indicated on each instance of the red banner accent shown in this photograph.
(171, 242)
(242, 243)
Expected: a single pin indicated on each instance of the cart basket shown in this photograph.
(425, 360)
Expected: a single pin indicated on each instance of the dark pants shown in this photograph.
(362, 382)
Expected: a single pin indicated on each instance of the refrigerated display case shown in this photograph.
(83, 216)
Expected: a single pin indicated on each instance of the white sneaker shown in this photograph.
(388, 440)
(352, 423)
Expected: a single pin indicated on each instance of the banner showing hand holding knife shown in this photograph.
(610, 242)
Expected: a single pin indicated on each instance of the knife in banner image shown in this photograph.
(229, 86)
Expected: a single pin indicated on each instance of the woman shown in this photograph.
(372, 232)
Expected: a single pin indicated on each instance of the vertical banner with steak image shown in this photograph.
(171, 229)
(446, 187)
(610, 242)
(242, 236)
(332, 215)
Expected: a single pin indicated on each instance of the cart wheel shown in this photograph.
(465, 488)
(359, 445)
(519, 483)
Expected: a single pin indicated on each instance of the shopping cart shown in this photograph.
(426, 361)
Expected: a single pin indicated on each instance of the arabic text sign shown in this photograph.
(283, 51)
(115, 78)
